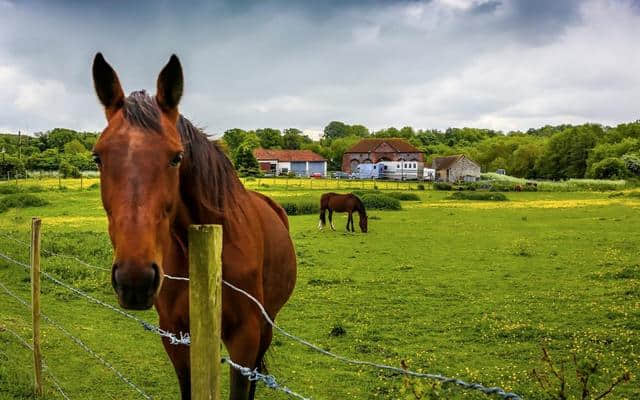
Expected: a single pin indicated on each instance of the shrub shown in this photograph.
(12, 189)
(420, 186)
(94, 186)
(21, 200)
(484, 196)
(403, 196)
(302, 207)
(67, 170)
(442, 186)
(375, 201)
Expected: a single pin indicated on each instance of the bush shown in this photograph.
(403, 196)
(420, 186)
(94, 186)
(12, 189)
(442, 186)
(302, 207)
(483, 196)
(21, 200)
(67, 170)
(375, 201)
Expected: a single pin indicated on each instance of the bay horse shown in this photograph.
(158, 175)
(342, 203)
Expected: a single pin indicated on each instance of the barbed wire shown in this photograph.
(54, 254)
(79, 342)
(22, 341)
(269, 380)
(185, 340)
(182, 339)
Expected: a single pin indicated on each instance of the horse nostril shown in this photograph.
(156, 276)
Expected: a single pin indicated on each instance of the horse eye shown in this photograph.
(96, 159)
(175, 161)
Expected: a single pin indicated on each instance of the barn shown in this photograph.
(371, 151)
(456, 168)
(282, 162)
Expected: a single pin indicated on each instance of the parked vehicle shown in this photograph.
(316, 175)
(393, 170)
(429, 174)
(340, 175)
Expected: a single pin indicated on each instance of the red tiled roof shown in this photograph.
(287, 155)
(369, 145)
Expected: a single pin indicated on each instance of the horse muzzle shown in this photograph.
(135, 286)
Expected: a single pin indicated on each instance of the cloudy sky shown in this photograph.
(501, 64)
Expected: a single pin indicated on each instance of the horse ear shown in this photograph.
(107, 85)
(170, 84)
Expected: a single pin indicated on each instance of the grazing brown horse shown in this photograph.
(342, 203)
(158, 175)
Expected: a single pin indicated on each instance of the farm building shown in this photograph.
(456, 168)
(282, 162)
(372, 151)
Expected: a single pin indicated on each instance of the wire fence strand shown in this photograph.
(79, 342)
(184, 339)
(181, 338)
(23, 342)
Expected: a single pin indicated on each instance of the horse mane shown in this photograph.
(207, 177)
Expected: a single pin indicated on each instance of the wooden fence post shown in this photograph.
(35, 304)
(205, 309)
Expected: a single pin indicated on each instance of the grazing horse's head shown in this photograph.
(139, 155)
(363, 222)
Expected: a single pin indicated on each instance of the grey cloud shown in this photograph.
(248, 64)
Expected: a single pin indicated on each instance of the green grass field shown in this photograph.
(470, 289)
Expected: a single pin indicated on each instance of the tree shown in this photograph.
(337, 149)
(567, 151)
(245, 162)
(233, 138)
(74, 147)
(292, 139)
(270, 138)
(609, 168)
(335, 130)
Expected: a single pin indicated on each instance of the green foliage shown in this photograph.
(270, 138)
(609, 168)
(403, 196)
(442, 186)
(483, 196)
(21, 200)
(376, 201)
(300, 207)
(68, 170)
(244, 160)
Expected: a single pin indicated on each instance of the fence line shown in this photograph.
(185, 340)
(269, 380)
(54, 254)
(23, 342)
(79, 342)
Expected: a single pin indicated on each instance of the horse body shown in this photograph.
(159, 174)
(342, 203)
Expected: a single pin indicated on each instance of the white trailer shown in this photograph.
(400, 170)
(429, 174)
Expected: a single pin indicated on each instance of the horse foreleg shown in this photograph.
(333, 228)
(322, 221)
(265, 342)
(179, 356)
(244, 348)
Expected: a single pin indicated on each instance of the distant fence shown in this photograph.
(184, 338)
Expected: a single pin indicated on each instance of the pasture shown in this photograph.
(469, 289)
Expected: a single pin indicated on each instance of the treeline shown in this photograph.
(63, 150)
(551, 152)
